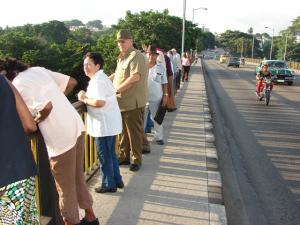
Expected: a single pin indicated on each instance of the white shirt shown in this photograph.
(63, 126)
(106, 120)
(157, 77)
(177, 60)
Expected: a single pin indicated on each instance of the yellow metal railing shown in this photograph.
(35, 155)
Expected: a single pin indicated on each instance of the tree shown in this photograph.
(53, 31)
(73, 23)
(95, 24)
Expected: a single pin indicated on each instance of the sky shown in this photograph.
(220, 15)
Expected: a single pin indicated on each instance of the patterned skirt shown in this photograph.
(18, 203)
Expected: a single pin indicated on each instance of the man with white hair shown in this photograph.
(177, 60)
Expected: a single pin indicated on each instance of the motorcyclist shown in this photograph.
(263, 73)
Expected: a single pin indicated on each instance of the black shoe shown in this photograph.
(160, 142)
(85, 222)
(124, 162)
(146, 150)
(134, 167)
(120, 185)
(105, 189)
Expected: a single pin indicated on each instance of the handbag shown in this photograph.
(160, 114)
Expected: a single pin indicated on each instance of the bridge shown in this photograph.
(179, 182)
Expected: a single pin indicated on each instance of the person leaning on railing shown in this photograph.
(18, 170)
(63, 131)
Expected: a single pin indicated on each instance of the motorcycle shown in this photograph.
(266, 90)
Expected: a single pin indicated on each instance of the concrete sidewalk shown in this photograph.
(179, 182)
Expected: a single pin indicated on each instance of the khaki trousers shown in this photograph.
(67, 170)
(131, 138)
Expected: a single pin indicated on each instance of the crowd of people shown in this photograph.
(119, 107)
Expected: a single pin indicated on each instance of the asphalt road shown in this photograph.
(258, 146)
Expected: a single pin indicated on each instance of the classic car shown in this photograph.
(279, 70)
(233, 61)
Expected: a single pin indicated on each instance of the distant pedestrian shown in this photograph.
(186, 64)
(157, 90)
(177, 60)
(104, 120)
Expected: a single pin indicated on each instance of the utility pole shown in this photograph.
(242, 49)
(183, 27)
(284, 55)
(252, 45)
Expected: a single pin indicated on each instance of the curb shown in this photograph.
(217, 209)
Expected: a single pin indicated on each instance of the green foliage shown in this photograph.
(73, 23)
(95, 24)
(107, 46)
(160, 29)
(57, 47)
(236, 42)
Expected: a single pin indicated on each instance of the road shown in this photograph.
(258, 146)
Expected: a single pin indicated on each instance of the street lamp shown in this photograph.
(197, 9)
(271, 28)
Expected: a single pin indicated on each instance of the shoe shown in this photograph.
(124, 162)
(105, 189)
(120, 185)
(160, 142)
(85, 222)
(172, 110)
(146, 150)
(134, 167)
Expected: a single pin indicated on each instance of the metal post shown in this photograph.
(284, 55)
(271, 46)
(193, 15)
(242, 49)
(183, 28)
(271, 28)
(252, 46)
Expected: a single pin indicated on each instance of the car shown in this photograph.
(279, 70)
(223, 58)
(233, 61)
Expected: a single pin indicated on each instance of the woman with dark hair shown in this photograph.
(104, 120)
(186, 64)
(63, 132)
(17, 180)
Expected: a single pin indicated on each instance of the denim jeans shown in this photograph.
(109, 164)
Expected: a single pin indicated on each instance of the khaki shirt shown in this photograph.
(136, 96)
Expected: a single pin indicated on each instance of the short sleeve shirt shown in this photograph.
(131, 63)
(63, 126)
(106, 120)
(157, 77)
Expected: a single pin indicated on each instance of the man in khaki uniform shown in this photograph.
(130, 81)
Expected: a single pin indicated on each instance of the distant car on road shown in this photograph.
(233, 61)
(279, 70)
(223, 58)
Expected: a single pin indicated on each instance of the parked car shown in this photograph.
(233, 61)
(279, 70)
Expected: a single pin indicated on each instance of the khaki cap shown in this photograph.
(124, 34)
